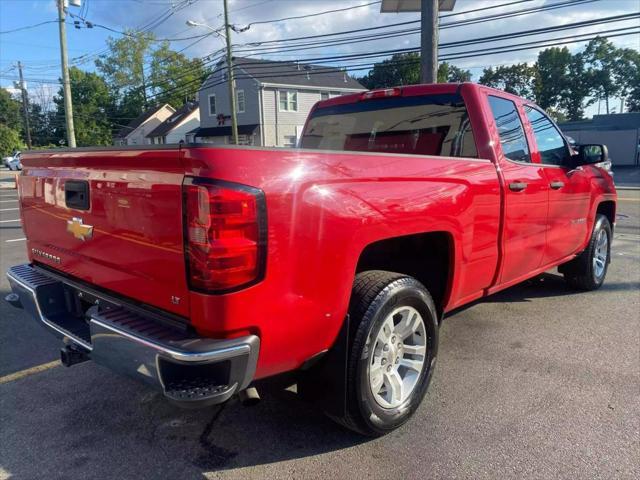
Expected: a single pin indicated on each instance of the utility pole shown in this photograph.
(232, 87)
(66, 84)
(429, 41)
(25, 106)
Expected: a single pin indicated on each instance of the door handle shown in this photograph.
(556, 185)
(517, 186)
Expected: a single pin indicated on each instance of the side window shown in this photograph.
(551, 146)
(512, 138)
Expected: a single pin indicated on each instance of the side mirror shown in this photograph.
(590, 154)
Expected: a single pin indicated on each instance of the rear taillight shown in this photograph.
(225, 235)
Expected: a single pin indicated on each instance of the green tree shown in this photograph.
(10, 111)
(453, 74)
(553, 76)
(91, 103)
(627, 74)
(123, 68)
(578, 87)
(9, 140)
(404, 69)
(175, 79)
(400, 69)
(42, 131)
(600, 57)
(518, 79)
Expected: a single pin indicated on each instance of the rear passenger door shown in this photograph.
(526, 193)
(569, 189)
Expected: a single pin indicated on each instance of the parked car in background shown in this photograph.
(13, 159)
(14, 163)
(201, 269)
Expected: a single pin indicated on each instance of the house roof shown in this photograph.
(293, 73)
(174, 120)
(223, 131)
(139, 120)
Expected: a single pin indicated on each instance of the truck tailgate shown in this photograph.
(126, 237)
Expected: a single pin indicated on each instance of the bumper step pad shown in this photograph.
(194, 389)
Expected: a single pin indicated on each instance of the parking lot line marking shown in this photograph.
(8, 201)
(629, 199)
(15, 240)
(8, 209)
(29, 371)
(8, 221)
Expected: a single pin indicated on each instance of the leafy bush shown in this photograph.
(9, 140)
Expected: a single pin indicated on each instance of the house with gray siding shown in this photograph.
(273, 99)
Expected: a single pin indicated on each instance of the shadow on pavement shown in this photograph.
(546, 285)
(90, 423)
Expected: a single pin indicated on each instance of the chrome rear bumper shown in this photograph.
(190, 370)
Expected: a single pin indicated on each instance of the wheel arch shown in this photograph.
(608, 209)
(428, 257)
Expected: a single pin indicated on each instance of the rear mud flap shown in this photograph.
(325, 383)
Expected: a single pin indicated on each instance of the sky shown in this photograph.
(38, 48)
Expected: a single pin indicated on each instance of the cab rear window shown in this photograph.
(420, 125)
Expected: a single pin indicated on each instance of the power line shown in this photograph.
(542, 8)
(456, 56)
(297, 17)
(327, 59)
(527, 11)
(27, 27)
(396, 33)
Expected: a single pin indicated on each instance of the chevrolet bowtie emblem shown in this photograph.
(78, 230)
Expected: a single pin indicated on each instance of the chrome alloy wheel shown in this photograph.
(398, 357)
(600, 253)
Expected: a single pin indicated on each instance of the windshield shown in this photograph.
(420, 125)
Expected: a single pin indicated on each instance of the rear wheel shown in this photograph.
(588, 270)
(393, 353)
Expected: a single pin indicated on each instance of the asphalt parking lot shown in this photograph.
(538, 381)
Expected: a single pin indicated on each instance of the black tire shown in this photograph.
(375, 295)
(580, 273)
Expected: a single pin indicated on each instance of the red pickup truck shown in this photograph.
(202, 269)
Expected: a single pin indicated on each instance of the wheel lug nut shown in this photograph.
(393, 339)
(400, 345)
(389, 368)
(383, 361)
(386, 348)
(397, 359)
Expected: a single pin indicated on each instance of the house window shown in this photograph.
(289, 141)
(240, 101)
(288, 100)
(324, 95)
(212, 105)
(244, 140)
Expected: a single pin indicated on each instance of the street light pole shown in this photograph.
(429, 41)
(232, 87)
(66, 84)
(25, 106)
(230, 77)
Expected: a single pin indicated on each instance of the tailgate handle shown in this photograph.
(76, 194)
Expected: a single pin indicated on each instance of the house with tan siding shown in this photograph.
(273, 99)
